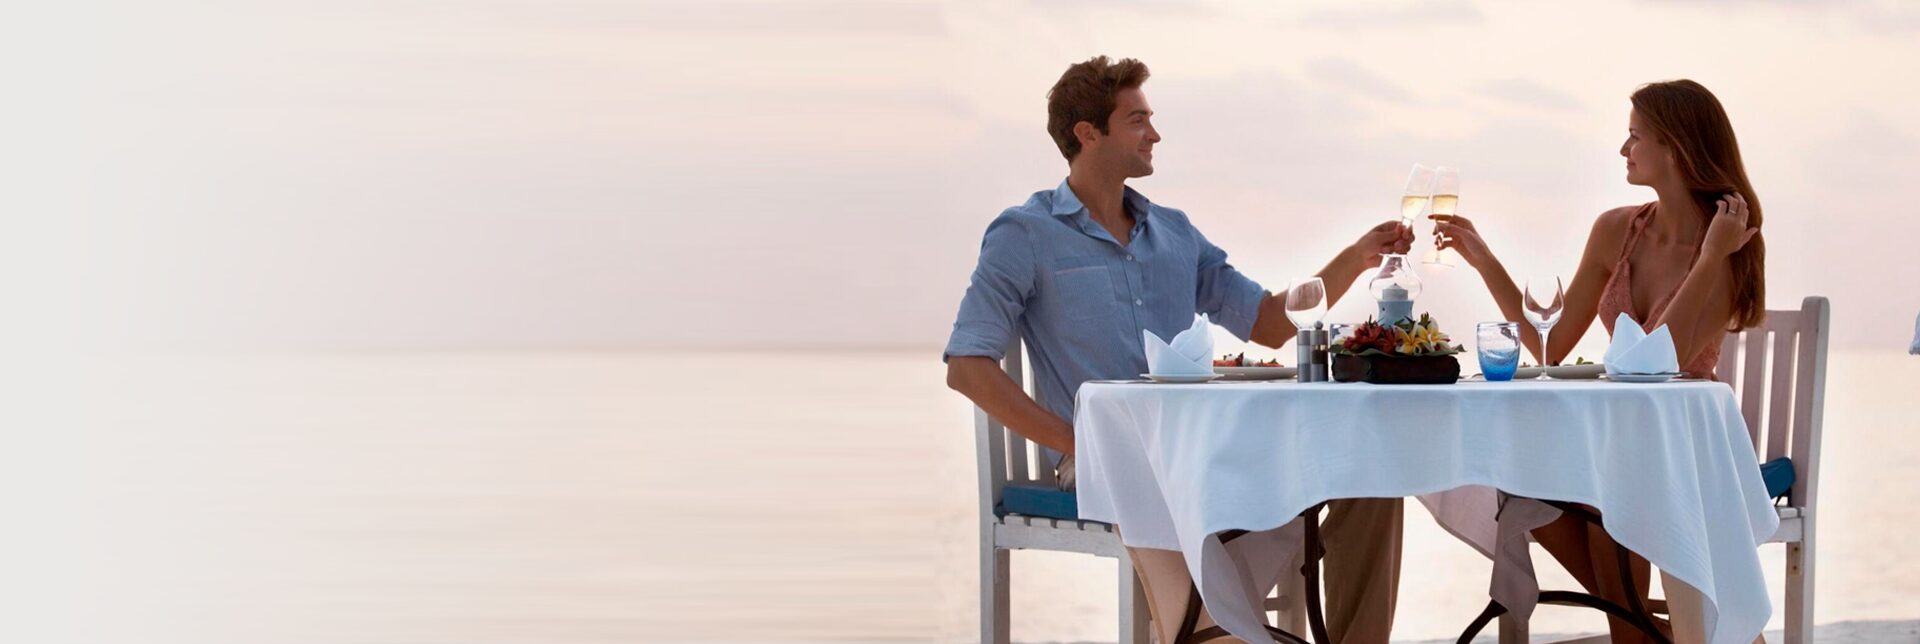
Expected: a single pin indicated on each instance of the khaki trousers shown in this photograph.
(1361, 572)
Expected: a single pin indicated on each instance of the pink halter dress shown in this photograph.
(1617, 297)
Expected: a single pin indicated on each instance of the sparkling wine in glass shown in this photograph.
(1414, 198)
(1542, 304)
(1446, 201)
(1306, 302)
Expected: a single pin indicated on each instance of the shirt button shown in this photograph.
(1129, 258)
(1136, 302)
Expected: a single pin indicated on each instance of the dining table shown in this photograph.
(1222, 472)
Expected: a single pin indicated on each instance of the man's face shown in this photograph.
(1128, 144)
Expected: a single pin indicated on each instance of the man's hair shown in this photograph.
(1086, 92)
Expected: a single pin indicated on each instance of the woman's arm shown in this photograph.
(1582, 296)
(1698, 315)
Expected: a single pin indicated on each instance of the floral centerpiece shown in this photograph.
(1411, 352)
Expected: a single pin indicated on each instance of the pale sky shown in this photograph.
(510, 174)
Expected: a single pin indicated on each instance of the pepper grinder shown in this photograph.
(1303, 355)
(1319, 364)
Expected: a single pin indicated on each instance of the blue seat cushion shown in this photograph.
(1778, 475)
(1039, 502)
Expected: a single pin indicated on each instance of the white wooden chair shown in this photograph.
(1782, 368)
(1006, 458)
(1779, 366)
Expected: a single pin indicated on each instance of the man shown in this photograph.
(1078, 271)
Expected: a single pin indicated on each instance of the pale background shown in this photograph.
(384, 321)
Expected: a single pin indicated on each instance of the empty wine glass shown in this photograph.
(1542, 304)
(1413, 198)
(1446, 201)
(1306, 302)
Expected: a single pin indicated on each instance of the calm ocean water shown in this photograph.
(622, 497)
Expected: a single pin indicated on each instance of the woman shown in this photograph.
(1692, 259)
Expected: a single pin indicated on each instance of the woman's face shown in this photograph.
(1648, 160)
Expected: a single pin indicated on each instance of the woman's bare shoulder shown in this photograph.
(1610, 228)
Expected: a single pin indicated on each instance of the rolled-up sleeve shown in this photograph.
(997, 294)
(1227, 297)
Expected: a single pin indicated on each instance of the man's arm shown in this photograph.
(1273, 329)
(989, 313)
(981, 380)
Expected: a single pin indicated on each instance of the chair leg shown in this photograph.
(1799, 627)
(1133, 606)
(1293, 599)
(995, 623)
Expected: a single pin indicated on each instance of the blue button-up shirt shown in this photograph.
(1052, 276)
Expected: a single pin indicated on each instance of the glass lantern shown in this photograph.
(1394, 287)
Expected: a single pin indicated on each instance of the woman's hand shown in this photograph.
(1458, 233)
(1728, 232)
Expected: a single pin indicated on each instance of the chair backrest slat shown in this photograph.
(1810, 399)
(1752, 381)
(1728, 369)
(1017, 471)
(1792, 391)
(1780, 393)
(1016, 449)
(990, 444)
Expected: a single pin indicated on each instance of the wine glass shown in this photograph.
(1414, 198)
(1542, 305)
(1446, 200)
(1306, 302)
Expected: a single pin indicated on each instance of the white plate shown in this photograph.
(1576, 371)
(1526, 373)
(1180, 379)
(1257, 373)
(1641, 377)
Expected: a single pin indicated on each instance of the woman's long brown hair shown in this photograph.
(1689, 120)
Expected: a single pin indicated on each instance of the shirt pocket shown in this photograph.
(1085, 287)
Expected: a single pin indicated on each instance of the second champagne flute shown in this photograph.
(1446, 201)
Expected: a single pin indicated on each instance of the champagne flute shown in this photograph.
(1446, 200)
(1542, 304)
(1414, 198)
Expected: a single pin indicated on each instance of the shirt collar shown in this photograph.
(1065, 203)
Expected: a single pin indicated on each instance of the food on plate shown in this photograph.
(1240, 360)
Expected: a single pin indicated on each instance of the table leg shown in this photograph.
(1513, 630)
(1635, 612)
(1312, 554)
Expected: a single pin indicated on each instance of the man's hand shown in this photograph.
(1388, 237)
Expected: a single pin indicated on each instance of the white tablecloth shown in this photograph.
(1669, 466)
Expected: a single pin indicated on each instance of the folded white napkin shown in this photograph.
(1636, 351)
(1190, 353)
